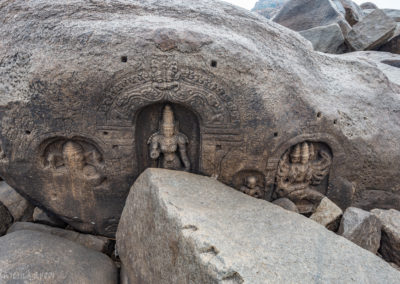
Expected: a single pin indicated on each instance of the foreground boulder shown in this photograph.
(85, 86)
(326, 39)
(327, 214)
(39, 258)
(178, 227)
(372, 32)
(390, 244)
(362, 228)
(98, 243)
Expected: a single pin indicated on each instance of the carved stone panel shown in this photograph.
(303, 174)
(250, 182)
(72, 170)
(184, 141)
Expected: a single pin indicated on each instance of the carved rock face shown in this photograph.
(83, 87)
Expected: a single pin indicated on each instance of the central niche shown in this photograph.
(167, 136)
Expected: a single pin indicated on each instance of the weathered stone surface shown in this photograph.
(39, 216)
(177, 227)
(5, 219)
(286, 204)
(19, 207)
(362, 228)
(268, 8)
(368, 5)
(393, 13)
(85, 84)
(300, 15)
(371, 199)
(327, 214)
(39, 258)
(354, 13)
(373, 31)
(393, 45)
(390, 243)
(326, 38)
(98, 243)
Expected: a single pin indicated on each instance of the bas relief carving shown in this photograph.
(168, 145)
(250, 182)
(300, 171)
(251, 188)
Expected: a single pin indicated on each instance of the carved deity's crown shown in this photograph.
(72, 148)
(168, 120)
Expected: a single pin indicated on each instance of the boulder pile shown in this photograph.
(338, 26)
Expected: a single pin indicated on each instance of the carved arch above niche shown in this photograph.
(161, 79)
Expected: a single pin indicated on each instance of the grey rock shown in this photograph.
(371, 199)
(368, 6)
(300, 15)
(393, 44)
(327, 214)
(353, 12)
(390, 243)
(393, 13)
(325, 38)
(178, 227)
(97, 243)
(268, 8)
(373, 31)
(362, 228)
(39, 216)
(39, 258)
(287, 204)
(19, 207)
(5, 219)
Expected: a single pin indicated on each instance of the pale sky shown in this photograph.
(393, 4)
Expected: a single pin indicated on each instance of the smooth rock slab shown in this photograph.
(362, 228)
(39, 258)
(177, 227)
(326, 38)
(390, 243)
(98, 243)
(372, 32)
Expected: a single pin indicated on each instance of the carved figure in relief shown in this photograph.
(251, 188)
(168, 145)
(73, 159)
(299, 169)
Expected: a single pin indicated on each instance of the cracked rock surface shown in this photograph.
(178, 227)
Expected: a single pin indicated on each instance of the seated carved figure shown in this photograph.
(251, 188)
(299, 170)
(168, 145)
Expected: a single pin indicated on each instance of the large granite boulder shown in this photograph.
(178, 227)
(393, 13)
(19, 207)
(300, 15)
(98, 243)
(374, 30)
(368, 6)
(390, 243)
(362, 228)
(393, 44)
(39, 258)
(325, 38)
(89, 90)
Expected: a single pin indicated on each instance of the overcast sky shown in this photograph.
(394, 4)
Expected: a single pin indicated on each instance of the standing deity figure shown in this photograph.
(299, 169)
(251, 188)
(168, 145)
